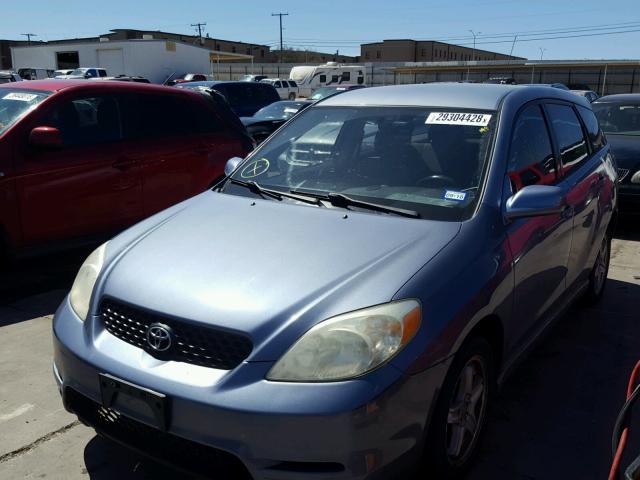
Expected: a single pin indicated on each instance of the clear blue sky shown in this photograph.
(329, 25)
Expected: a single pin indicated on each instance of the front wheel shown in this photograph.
(461, 411)
(599, 272)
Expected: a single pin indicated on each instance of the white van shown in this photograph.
(309, 78)
(35, 73)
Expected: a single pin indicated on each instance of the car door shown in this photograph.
(84, 187)
(583, 179)
(540, 245)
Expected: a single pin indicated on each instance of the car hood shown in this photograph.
(626, 150)
(267, 268)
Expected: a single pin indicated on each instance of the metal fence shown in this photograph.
(601, 77)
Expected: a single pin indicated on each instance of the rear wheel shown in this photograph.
(461, 411)
(292, 96)
(599, 272)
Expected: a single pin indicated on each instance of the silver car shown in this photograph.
(346, 301)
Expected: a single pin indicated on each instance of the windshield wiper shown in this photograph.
(343, 201)
(267, 192)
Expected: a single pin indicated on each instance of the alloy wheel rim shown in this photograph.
(600, 273)
(466, 411)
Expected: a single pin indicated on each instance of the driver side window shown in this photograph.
(531, 158)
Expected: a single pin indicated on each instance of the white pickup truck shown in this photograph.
(287, 89)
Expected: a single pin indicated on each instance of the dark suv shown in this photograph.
(245, 98)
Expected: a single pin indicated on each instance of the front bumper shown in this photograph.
(364, 428)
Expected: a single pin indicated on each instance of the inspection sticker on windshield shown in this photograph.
(290, 110)
(22, 97)
(455, 196)
(458, 118)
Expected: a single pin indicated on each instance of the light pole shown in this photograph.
(473, 55)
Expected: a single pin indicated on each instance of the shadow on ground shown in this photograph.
(106, 460)
(555, 416)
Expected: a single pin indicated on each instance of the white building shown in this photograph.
(149, 58)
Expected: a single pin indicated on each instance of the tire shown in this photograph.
(292, 96)
(451, 443)
(599, 272)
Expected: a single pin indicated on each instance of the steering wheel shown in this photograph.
(437, 181)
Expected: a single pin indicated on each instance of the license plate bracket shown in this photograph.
(140, 403)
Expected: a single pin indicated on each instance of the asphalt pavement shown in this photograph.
(552, 420)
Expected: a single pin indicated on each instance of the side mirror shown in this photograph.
(231, 165)
(45, 137)
(535, 201)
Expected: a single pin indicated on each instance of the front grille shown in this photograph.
(194, 344)
(168, 448)
(622, 173)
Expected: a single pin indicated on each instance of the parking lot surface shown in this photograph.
(552, 420)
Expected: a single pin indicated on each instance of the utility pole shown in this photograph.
(199, 27)
(473, 55)
(513, 45)
(281, 45)
(542, 50)
(29, 35)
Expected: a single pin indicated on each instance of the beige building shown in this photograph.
(425, 51)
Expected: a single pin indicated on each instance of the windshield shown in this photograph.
(16, 103)
(422, 159)
(79, 71)
(618, 118)
(279, 110)
(326, 92)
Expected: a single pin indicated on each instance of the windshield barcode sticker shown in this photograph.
(22, 97)
(455, 196)
(458, 118)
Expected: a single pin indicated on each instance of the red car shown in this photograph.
(86, 159)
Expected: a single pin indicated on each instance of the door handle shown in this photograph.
(123, 164)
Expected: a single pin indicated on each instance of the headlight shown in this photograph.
(82, 288)
(349, 345)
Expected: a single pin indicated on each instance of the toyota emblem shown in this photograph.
(159, 337)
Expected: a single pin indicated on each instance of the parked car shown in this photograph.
(253, 78)
(35, 73)
(287, 89)
(7, 76)
(84, 159)
(87, 73)
(64, 71)
(588, 94)
(501, 80)
(125, 78)
(375, 276)
(619, 116)
(245, 98)
(325, 92)
(268, 119)
(186, 78)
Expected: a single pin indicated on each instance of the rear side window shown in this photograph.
(323, 78)
(163, 116)
(568, 132)
(593, 128)
(531, 158)
(293, 84)
(87, 120)
(277, 85)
